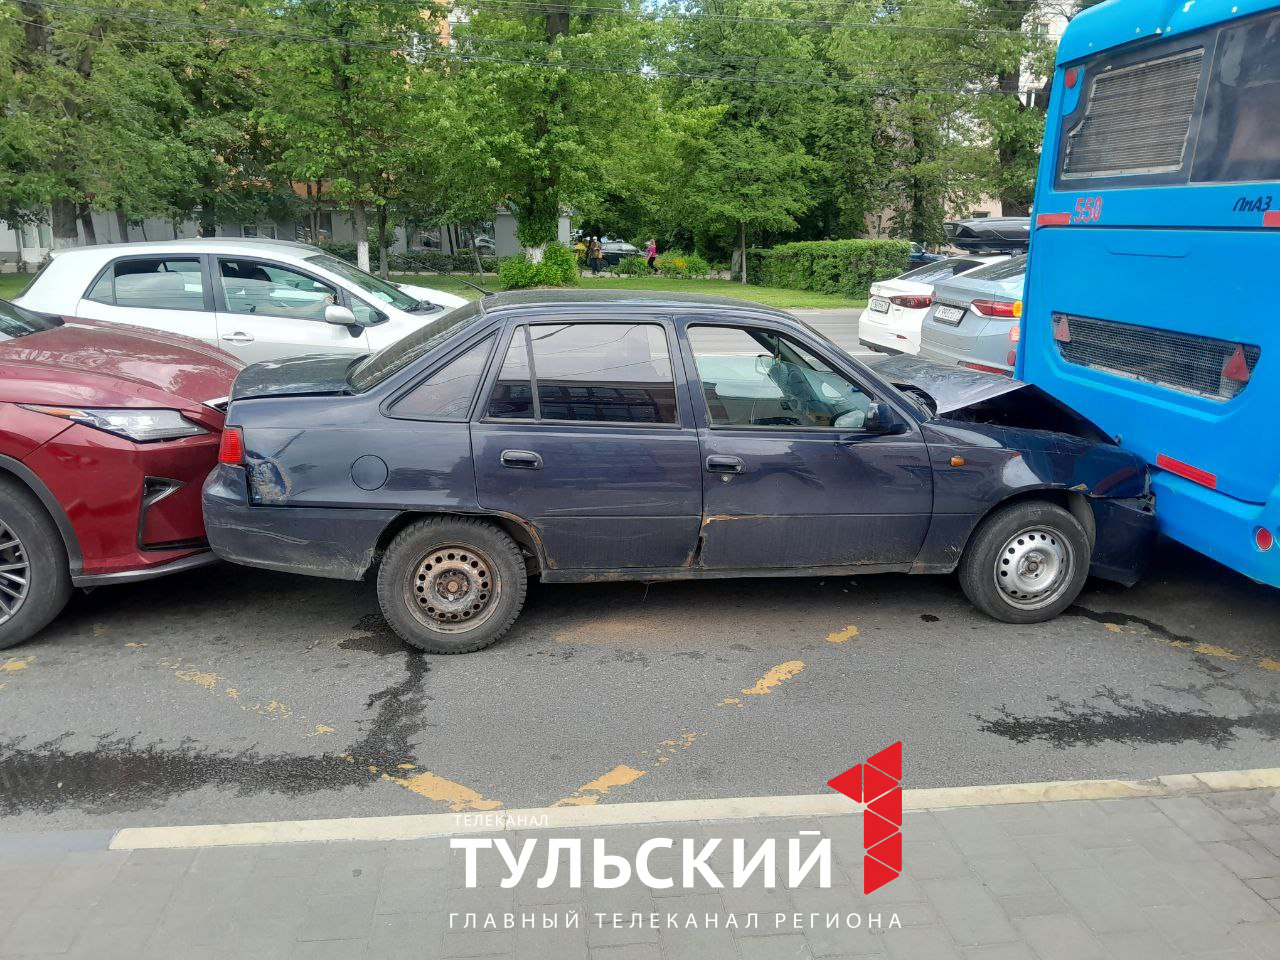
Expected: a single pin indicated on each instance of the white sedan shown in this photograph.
(896, 308)
(257, 299)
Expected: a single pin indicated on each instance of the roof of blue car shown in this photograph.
(645, 298)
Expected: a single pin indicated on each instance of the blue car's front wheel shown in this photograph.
(1026, 562)
(451, 584)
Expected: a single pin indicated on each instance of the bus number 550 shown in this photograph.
(1088, 210)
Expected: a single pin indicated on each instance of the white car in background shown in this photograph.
(257, 299)
(896, 308)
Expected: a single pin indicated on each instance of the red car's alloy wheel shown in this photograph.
(15, 572)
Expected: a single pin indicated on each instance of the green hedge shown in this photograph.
(559, 268)
(828, 266)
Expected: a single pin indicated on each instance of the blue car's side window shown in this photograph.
(447, 393)
(618, 373)
(512, 397)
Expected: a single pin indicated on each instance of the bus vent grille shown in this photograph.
(1207, 367)
(1136, 119)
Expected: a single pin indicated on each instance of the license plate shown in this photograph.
(948, 314)
(879, 304)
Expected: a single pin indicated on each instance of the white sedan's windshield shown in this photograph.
(384, 291)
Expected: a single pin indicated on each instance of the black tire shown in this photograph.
(1026, 563)
(28, 535)
(427, 560)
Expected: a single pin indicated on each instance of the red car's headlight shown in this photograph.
(138, 425)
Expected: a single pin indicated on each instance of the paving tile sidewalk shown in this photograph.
(1194, 876)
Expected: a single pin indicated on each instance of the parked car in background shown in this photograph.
(107, 433)
(614, 251)
(631, 437)
(257, 299)
(896, 308)
(921, 257)
(990, 234)
(974, 319)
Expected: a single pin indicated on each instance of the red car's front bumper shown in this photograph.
(134, 507)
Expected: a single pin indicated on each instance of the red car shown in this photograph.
(107, 433)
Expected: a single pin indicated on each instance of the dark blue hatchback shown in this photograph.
(581, 437)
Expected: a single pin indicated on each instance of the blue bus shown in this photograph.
(1150, 304)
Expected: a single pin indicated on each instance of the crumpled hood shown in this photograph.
(951, 387)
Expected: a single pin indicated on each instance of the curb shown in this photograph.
(427, 826)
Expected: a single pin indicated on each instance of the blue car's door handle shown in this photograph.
(521, 459)
(716, 464)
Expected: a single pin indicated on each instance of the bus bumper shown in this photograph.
(1219, 526)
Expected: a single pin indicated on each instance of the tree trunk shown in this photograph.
(475, 253)
(85, 216)
(64, 219)
(742, 247)
(383, 259)
(360, 223)
(122, 224)
(535, 253)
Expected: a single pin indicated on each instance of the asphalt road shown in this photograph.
(231, 695)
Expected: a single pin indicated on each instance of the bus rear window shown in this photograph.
(1239, 133)
(1135, 119)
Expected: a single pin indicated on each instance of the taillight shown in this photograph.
(1263, 538)
(998, 308)
(231, 449)
(912, 303)
(1015, 333)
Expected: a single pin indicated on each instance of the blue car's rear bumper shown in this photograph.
(319, 541)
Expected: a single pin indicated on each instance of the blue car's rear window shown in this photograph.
(373, 369)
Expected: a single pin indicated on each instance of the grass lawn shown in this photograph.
(12, 283)
(771, 296)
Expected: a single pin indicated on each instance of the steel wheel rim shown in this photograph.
(1034, 568)
(15, 573)
(453, 589)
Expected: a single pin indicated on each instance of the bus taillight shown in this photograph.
(1263, 538)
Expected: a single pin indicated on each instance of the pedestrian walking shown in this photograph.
(595, 255)
(651, 254)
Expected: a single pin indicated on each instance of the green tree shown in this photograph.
(94, 119)
(556, 95)
(747, 168)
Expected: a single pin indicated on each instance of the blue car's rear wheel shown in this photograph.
(451, 585)
(1026, 562)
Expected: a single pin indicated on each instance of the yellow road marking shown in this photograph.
(589, 794)
(134, 646)
(730, 702)
(201, 678)
(14, 664)
(433, 787)
(774, 678)
(843, 636)
(1202, 648)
